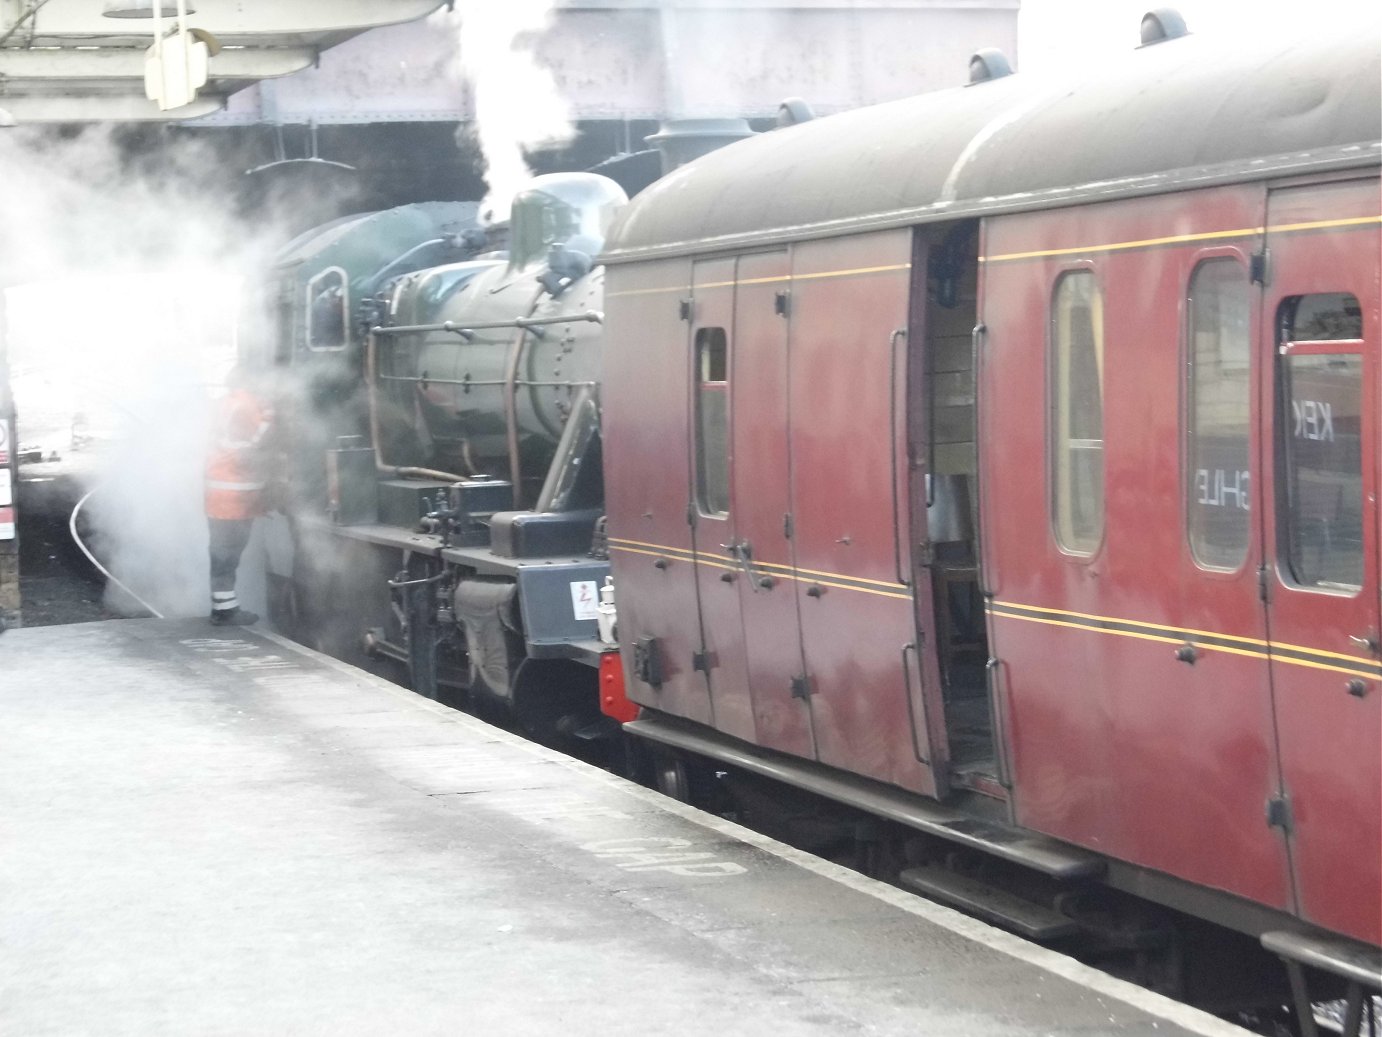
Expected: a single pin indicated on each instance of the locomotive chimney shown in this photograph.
(682, 140)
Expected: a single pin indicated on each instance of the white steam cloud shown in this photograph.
(517, 102)
(125, 272)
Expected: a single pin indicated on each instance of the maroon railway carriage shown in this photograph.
(1005, 460)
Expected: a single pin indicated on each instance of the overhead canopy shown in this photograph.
(1181, 112)
(68, 60)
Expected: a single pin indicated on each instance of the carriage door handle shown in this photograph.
(742, 552)
(1367, 644)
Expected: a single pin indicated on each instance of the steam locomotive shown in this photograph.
(998, 465)
(445, 451)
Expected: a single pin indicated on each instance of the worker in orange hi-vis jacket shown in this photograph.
(236, 464)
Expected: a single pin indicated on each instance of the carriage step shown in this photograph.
(1354, 962)
(988, 903)
(1029, 849)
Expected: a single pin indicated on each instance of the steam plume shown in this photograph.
(517, 102)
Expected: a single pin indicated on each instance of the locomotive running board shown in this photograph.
(1037, 852)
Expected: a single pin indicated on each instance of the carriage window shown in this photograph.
(1322, 466)
(712, 421)
(1219, 393)
(1077, 413)
(1327, 317)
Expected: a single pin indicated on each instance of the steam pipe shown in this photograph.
(398, 472)
(410, 472)
(511, 414)
(378, 275)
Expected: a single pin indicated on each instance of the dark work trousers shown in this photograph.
(228, 540)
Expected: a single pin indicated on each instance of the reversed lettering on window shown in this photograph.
(1314, 420)
(1217, 488)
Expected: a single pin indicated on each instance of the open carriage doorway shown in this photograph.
(945, 466)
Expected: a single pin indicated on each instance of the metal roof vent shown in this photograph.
(793, 112)
(989, 63)
(1161, 24)
(682, 140)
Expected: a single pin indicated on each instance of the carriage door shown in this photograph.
(761, 502)
(713, 349)
(1321, 311)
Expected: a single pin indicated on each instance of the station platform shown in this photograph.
(205, 831)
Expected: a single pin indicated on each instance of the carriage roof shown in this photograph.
(1184, 112)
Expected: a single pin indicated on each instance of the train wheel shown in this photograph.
(556, 703)
(671, 776)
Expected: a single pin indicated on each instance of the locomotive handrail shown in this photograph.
(483, 382)
(511, 382)
(588, 317)
(372, 394)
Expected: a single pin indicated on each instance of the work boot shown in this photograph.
(236, 617)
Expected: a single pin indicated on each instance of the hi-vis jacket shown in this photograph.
(235, 459)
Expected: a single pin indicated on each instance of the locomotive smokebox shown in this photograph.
(682, 140)
(491, 392)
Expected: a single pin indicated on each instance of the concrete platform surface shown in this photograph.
(205, 832)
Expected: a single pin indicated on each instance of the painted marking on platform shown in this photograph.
(267, 671)
(207, 645)
(257, 664)
(663, 853)
(552, 808)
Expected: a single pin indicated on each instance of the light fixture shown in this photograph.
(142, 9)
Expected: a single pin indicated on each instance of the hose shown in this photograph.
(72, 527)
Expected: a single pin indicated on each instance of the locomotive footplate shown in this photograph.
(556, 597)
